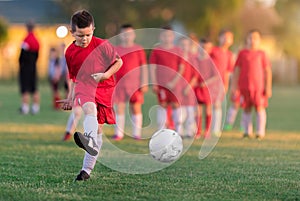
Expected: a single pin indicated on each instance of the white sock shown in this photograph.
(247, 122)
(35, 108)
(25, 108)
(231, 116)
(177, 118)
(120, 124)
(261, 119)
(217, 120)
(70, 123)
(137, 121)
(161, 117)
(89, 161)
(190, 122)
(90, 125)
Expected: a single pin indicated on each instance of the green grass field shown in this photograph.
(37, 165)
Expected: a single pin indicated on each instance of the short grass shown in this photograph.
(36, 165)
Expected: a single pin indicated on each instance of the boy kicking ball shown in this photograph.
(92, 62)
(253, 78)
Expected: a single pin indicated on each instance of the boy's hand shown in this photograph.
(67, 104)
(99, 77)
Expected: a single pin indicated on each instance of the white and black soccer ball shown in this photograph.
(165, 145)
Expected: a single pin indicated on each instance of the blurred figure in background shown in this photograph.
(28, 72)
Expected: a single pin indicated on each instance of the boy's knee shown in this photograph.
(89, 108)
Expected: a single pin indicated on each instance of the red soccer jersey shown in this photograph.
(97, 57)
(30, 43)
(222, 60)
(166, 59)
(252, 65)
(133, 58)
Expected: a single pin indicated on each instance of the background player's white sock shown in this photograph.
(90, 125)
(231, 116)
(247, 122)
(120, 124)
(137, 121)
(35, 108)
(72, 122)
(25, 108)
(161, 117)
(178, 119)
(189, 123)
(89, 161)
(261, 119)
(217, 120)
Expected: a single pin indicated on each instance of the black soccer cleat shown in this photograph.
(82, 176)
(86, 142)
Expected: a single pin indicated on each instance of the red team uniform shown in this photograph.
(223, 62)
(168, 62)
(251, 81)
(97, 57)
(129, 75)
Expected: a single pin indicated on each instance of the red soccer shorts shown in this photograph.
(253, 98)
(125, 94)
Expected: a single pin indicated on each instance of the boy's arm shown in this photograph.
(268, 82)
(178, 75)
(234, 83)
(153, 77)
(144, 78)
(99, 77)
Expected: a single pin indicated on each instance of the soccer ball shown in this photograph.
(165, 145)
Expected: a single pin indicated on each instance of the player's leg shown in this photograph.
(189, 123)
(208, 118)
(177, 116)
(88, 141)
(72, 122)
(89, 161)
(137, 119)
(247, 121)
(217, 118)
(231, 116)
(199, 120)
(120, 121)
(25, 103)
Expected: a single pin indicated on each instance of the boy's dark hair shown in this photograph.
(126, 26)
(205, 40)
(224, 31)
(30, 25)
(167, 27)
(81, 19)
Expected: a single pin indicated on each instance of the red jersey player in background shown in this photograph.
(223, 60)
(91, 62)
(207, 75)
(28, 73)
(166, 68)
(190, 78)
(132, 80)
(253, 78)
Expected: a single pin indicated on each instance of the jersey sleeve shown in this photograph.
(238, 62)
(110, 54)
(265, 60)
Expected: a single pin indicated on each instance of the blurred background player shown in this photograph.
(28, 72)
(92, 85)
(132, 80)
(166, 68)
(206, 76)
(223, 60)
(57, 74)
(253, 78)
(190, 78)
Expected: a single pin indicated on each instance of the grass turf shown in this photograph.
(36, 165)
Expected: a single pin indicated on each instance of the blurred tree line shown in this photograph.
(205, 17)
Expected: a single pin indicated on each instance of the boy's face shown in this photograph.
(253, 40)
(167, 37)
(185, 45)
(83, 36)
(207, 47)
(127, 35)
(226, 39)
